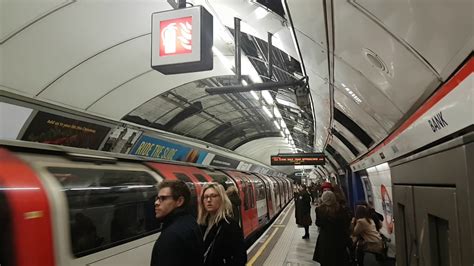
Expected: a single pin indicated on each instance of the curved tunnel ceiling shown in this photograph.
(94, 57)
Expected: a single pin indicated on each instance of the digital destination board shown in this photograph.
(298, 159)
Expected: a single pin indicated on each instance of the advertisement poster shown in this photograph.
(55, 129)
(160, 149)
(121, 140)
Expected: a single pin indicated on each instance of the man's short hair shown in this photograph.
(178, 189)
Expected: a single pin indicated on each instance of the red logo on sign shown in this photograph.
(176, 36)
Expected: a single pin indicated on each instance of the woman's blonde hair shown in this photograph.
(224, 211)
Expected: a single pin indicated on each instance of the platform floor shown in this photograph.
(282, 244)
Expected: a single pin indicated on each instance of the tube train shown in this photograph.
(67, 206)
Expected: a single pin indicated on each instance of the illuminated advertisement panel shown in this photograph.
(181, 40)
(298, 159)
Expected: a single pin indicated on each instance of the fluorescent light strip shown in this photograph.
(276, 124)
(267, 97)
(269, 114)
(254, 94)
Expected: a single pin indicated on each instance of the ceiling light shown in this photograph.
(277, 112)
(254, 94)
(260, 13)
(267, 97)
(269, 114)
(276, 124)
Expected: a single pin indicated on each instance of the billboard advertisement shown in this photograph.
(161, 149)
(55, 129)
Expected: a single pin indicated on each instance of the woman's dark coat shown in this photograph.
(334, 238)
(229, 247)
(303, 209)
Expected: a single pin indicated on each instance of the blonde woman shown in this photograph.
(223, 238)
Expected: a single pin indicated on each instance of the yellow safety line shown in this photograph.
(260, 250)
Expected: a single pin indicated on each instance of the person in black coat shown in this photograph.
(334, 237)
(223, 238)
(180, 242)
(303, 210)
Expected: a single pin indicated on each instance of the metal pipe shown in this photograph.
(269, 56)
(237, 48)
(255, 87)
(181, 3)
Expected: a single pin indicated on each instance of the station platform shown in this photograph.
(282, 242)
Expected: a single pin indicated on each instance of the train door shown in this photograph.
(429, 235)
(277, 191)
(270, 195)
(261, 199)
(249, 211)
(433, 205)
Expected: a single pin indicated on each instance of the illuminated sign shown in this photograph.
(182, 40)
(298, 159)
(176, 36)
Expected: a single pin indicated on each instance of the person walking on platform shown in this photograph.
(303, 205)
(333, 240)
(180, 234)
(223, 237)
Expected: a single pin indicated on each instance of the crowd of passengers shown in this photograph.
(215, 238)
(344, 239)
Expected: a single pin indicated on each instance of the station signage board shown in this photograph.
(298, 159)
(181, 40)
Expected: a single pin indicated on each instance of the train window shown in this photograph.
(249, 193)
(201, 178)
(107, 207)
(260, 190)
(221, 179)
(192, 208)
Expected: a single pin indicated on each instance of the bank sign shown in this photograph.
(181, 40)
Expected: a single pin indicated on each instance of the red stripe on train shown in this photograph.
(31, 216)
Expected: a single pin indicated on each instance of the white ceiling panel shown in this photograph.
(320, 97)
(330, 158)
(94, 78)
(437, 29)
(341, 149)
(365, 120)
(349, 136)
(68, 37)
(127, 97)
(18, 14)
(407, 78)
(373, 100)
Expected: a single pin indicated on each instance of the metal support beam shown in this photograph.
(269, 56)
(237, 48)
(256, 87)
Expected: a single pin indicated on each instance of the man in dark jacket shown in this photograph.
(303, 213)
(180, 242)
